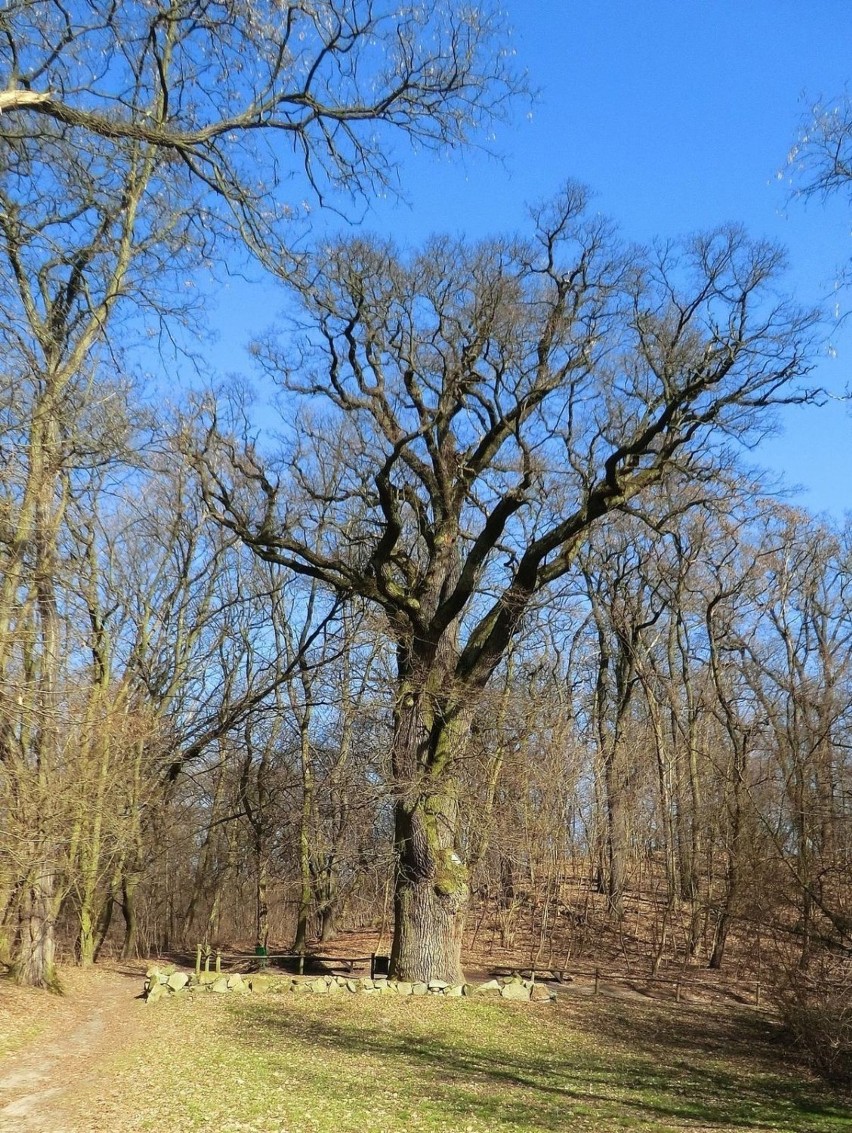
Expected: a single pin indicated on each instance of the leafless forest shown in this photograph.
(495, 635)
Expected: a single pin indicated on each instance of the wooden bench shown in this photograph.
(297, 962)
(302, 961)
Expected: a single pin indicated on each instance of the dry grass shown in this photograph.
(368, 1064)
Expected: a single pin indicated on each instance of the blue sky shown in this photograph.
(678, 114)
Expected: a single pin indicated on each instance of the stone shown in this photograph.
(155, 992)
(353, 986)
(219, 985)
(235, 982)
(403, 987)
(177, 981)
(160, 974)
(454, 990)
(273, 986)
(541, 994)
(437, 985)
(516, 990)
(419, 989)
(490, 987)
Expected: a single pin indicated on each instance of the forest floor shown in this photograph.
(98, 1060)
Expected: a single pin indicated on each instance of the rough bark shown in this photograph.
(617, 833)
(35, 959)
(130, 948)
(262, 899)
(431, 891)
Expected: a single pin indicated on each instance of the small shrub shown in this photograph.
(816, 1006)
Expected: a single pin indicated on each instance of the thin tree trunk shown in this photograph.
(306, 894)
(617, 832)
(262, 898)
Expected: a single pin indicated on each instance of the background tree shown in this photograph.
(798, 666)
(624, 608)
(140, 143)
(227, 98)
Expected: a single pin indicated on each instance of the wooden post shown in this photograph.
(677, 991)
(218, 961)
(302, 963)
(207, 951)
(597, 979)
(197, 961)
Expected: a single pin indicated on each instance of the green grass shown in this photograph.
(23, 1016)
(371, 1064)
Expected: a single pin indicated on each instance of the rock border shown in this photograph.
(161, 983)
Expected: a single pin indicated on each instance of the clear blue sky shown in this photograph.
(679, 115)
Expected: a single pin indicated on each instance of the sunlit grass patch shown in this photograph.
(355, 1064)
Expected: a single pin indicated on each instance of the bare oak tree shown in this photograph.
(486, 407)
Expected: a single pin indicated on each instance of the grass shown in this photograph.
(24, 1014)
(305, 1064)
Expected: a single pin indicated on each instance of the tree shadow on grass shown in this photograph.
(688, 1068)
(741, 1054)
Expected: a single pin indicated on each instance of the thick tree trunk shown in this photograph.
(431, 894)
(35, 946)
(130, 948)
(328, 922)
(330, 899)
(431, 890)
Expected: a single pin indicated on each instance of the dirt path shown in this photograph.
(98, 1016)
